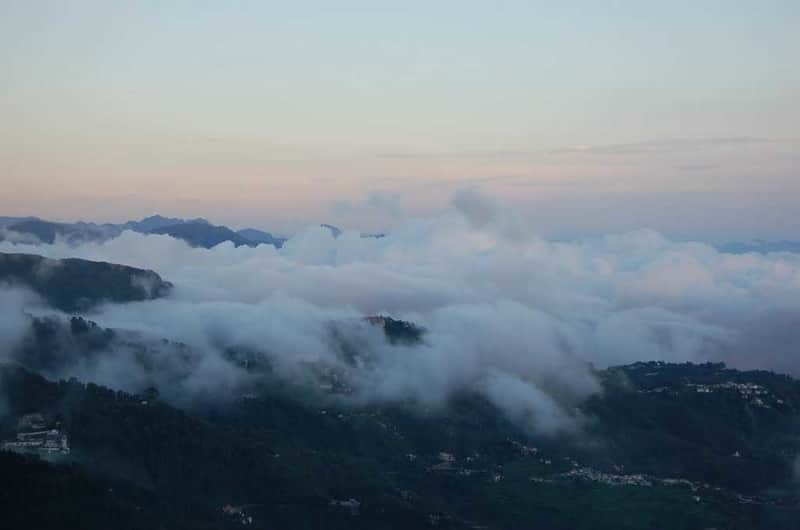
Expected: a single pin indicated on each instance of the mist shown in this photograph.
(513, 317)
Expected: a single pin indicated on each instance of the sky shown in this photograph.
(589, 117)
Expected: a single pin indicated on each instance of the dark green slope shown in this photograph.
(37, 495)
(192, 464)
(76, 284)
(734, 429)
(285, 458)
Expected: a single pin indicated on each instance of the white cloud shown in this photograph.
(509, 314)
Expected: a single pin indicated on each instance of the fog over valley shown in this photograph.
(518, 319)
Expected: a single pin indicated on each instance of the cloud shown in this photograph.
(670, 145)
(379, 206)
(13, 320)
(16, 237)
(466, 153)
(511, 316)
(656, 146)
(14, 325)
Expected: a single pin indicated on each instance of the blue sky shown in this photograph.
(590, 116)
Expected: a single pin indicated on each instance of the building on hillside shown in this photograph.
(35, 437)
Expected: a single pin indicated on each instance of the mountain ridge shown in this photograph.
(196, 232)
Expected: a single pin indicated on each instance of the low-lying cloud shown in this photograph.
(508, 314)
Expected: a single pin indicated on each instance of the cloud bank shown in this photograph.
(509, 315)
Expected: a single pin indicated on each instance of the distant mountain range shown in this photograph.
(156, 222)
(760, 246)
(196, 232)
(200, 232)
(260, 237)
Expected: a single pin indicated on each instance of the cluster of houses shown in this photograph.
(237, 513)
(616, 479)
(611, 479)
(36, 436)
(524, 450)
(331, 380)
(756, 394)
(352, 505)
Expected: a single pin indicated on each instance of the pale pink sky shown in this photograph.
(681, 117)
